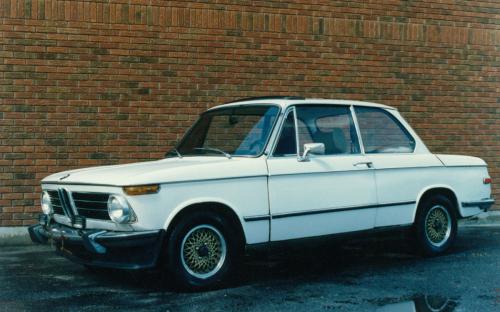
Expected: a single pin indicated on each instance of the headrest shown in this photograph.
(339, 141)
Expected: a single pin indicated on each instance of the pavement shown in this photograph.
(490, 218)
(371, 274)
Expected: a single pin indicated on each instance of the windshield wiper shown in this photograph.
(213, 149)
(175, 151)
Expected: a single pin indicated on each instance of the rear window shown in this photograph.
(382, 133)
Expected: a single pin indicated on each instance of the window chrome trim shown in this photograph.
(278, 136)
(358, 131)
(296, 124)
(273, 135)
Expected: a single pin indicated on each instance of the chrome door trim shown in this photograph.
(326, 210)
(257, 218)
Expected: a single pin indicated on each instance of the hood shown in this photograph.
(163, 171)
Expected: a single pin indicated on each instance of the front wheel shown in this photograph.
(435, 225)
(201, 251)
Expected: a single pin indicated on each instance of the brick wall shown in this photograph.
(102, 82)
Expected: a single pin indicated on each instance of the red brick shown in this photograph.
(94, 77)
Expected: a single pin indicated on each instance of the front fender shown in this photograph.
(194, 201)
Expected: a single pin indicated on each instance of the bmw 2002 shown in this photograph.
(257, 171)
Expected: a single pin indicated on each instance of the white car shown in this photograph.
(256, 171)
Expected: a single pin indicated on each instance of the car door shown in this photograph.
(325, 194)
(403, 166)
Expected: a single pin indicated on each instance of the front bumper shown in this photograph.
(121, 250)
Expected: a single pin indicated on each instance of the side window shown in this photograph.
(287, 142)
(382, 132)
(305, 135)
(331, 125)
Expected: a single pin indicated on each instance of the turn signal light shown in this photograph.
(141, 189)
(487, 180)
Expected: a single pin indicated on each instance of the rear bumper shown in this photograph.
(483, 204)
(121, 250)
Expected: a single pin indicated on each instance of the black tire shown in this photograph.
(434, 236)
(178, 267)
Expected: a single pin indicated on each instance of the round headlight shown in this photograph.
(119, 210)
(46, 204)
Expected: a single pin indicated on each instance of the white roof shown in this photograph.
(284, 103)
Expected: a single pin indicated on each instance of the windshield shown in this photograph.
(232, 131)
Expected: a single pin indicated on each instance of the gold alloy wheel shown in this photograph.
(203, 251)
(437, 225)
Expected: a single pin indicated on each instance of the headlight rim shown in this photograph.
(127, 218)
(50, 210)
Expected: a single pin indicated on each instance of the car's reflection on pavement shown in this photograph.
(422, 303)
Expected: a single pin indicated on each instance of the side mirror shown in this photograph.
(312, 148)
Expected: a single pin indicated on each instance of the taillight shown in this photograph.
(487, 181)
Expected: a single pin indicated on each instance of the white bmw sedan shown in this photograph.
(257, 171)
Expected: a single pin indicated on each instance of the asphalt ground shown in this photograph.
(371, 274)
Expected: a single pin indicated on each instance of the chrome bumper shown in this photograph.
(484, 204)
(126, 250)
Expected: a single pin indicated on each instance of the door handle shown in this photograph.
(369, 164)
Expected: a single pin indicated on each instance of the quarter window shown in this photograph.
(382, 133)
(287, 144)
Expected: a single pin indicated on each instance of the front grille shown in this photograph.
(56, 202)
(89, 205)
(92, 205)
(66, 202)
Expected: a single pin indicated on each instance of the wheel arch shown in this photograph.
(215, 206)
(445, 190)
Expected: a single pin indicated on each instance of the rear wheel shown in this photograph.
(435, 225)
(202, 251)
